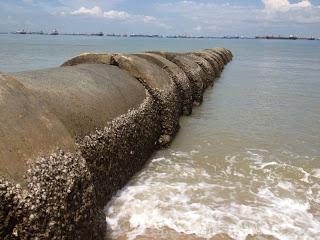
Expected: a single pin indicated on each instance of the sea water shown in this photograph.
(247, 161)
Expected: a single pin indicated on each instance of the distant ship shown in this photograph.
(231, 37)
(21, 32)
(97, 34)
(54, 32)
(307, 38)
(291, 37)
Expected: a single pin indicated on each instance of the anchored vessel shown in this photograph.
(97, 34)
(21, 32)
(291, 37)
(54, 32)
(72, 136)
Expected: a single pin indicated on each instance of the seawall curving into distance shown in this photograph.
(71, 136)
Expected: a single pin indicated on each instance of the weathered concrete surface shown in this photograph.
(88, 58)
(217, 57)
(53, 110)
(160, 86)
(116, 152)
(107, 119)
(27, 129)
(56, 106)
(177, 75)
(193, 71)
(214, 63)
(207, 68)
(158, 83)
(101, 93)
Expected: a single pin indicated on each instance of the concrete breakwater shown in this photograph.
(72, 136)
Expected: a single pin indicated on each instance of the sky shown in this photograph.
(204, 17)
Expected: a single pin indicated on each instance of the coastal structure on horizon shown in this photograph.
(179, 36)
(291, 37)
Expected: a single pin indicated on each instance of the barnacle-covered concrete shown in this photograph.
(177, 75)
(160, 86)
(28, 129)
(214, 63)
(208, 70)
(72, 136)
(193, 71)
(217, 58)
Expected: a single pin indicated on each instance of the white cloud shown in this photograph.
(117, 15)
(302, 12)
(113, 15)
(88, 11)
(97, 11)
(212, 18)
(285, 5)
(149, 19)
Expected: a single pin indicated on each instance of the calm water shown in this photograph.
(247, 161)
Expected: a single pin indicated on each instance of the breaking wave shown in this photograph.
(250, 192)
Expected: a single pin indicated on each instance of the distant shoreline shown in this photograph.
(161, 36)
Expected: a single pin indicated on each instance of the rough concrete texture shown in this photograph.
(178, 76)
(193, 71)
(220, 52)
(9, 208)
(225, 52)
(27, 129)
(106, 121)
(214, 63)
(160, 86)
(195, 74)
(119, 150)
(217, 57)
(59, 201)
(88, 58)
(208, 70)
(158, 83)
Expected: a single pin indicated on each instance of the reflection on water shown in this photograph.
(246, 162)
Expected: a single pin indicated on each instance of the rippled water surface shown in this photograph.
(248, 159)
(246, 162)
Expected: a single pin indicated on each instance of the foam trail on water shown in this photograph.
(243, 193)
